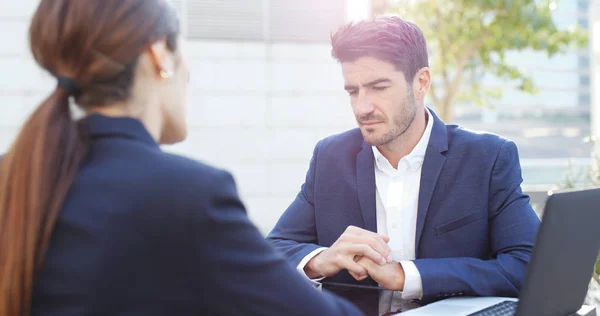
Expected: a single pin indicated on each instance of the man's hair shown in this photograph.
(387, 38)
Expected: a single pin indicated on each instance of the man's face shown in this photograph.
(382, 101)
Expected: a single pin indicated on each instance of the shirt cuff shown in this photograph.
(305, 260)
(413, 286)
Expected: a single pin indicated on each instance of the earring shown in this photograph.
(165, 74)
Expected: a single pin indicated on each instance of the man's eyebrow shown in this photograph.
(368, 84)
(376, 81)
(350, 87)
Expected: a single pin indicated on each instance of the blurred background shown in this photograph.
(265, 89)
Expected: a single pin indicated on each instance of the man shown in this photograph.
(428, 209)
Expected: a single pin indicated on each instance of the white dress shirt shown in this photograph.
(396, 208)
(397, 203)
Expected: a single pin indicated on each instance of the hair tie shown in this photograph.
(68, 84)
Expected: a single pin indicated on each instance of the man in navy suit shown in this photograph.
(424, 208)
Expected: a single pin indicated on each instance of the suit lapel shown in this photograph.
(365, 183)
(432, 166)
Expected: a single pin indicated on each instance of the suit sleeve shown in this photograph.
(295, 234)
(513, 228)
(247, 276)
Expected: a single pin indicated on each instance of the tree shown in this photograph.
(468, 39)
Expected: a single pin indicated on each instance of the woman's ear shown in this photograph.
(162, 59)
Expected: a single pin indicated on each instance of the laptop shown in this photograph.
(560, 268)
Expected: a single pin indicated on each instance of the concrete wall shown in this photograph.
(258, 110)
(255, 109)
(22, 83)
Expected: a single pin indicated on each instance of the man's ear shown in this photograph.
(422, 83)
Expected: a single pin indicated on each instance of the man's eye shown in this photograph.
(379, 88)
(351, 92)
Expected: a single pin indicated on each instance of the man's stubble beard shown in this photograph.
(402, 122)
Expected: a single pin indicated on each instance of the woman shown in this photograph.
(94, 218)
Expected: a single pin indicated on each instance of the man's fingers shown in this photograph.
(356, 270)
(357, 277)
(376, 243)
(386, 238)
(352, 230)
(380, 246)
(367, 251)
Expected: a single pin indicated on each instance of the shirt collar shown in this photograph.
(417, 155)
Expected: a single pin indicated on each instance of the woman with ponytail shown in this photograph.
(94, 218)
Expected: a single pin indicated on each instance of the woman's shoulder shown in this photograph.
(186, 166)
(194, 177)
(191, 191)
(155, 177)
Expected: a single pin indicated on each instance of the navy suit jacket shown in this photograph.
(475, 228)
(144, 232)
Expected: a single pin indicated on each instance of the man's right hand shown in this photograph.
(354, 242)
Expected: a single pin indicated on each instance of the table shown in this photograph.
(367, 299)
(458, 306)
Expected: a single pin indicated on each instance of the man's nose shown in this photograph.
(363, 106)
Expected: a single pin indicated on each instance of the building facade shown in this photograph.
(264, 89)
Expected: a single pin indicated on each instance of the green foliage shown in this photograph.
(584, 177)
(597, 267)
(471, 38)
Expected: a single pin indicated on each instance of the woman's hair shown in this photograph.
(91, 47)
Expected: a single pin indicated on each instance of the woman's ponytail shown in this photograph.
(35, 176)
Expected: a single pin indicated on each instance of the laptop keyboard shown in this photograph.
(504, 308)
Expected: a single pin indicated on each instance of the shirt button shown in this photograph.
(394, 225)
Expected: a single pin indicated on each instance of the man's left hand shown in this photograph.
(390, 276)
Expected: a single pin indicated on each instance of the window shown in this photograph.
(584, 80)
(583, 5)
(584, 61)
(225, 19)
(261, 20)
(584, 99)
(306, 20)
(583, 22)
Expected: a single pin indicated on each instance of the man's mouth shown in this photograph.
(370, 123)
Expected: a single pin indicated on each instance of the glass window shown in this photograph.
(583, 5)
(584, 99)
(584, 80)
(226, 19)
(306, 20)
(584, 61)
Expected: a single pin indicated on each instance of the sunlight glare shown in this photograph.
(358, 9)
